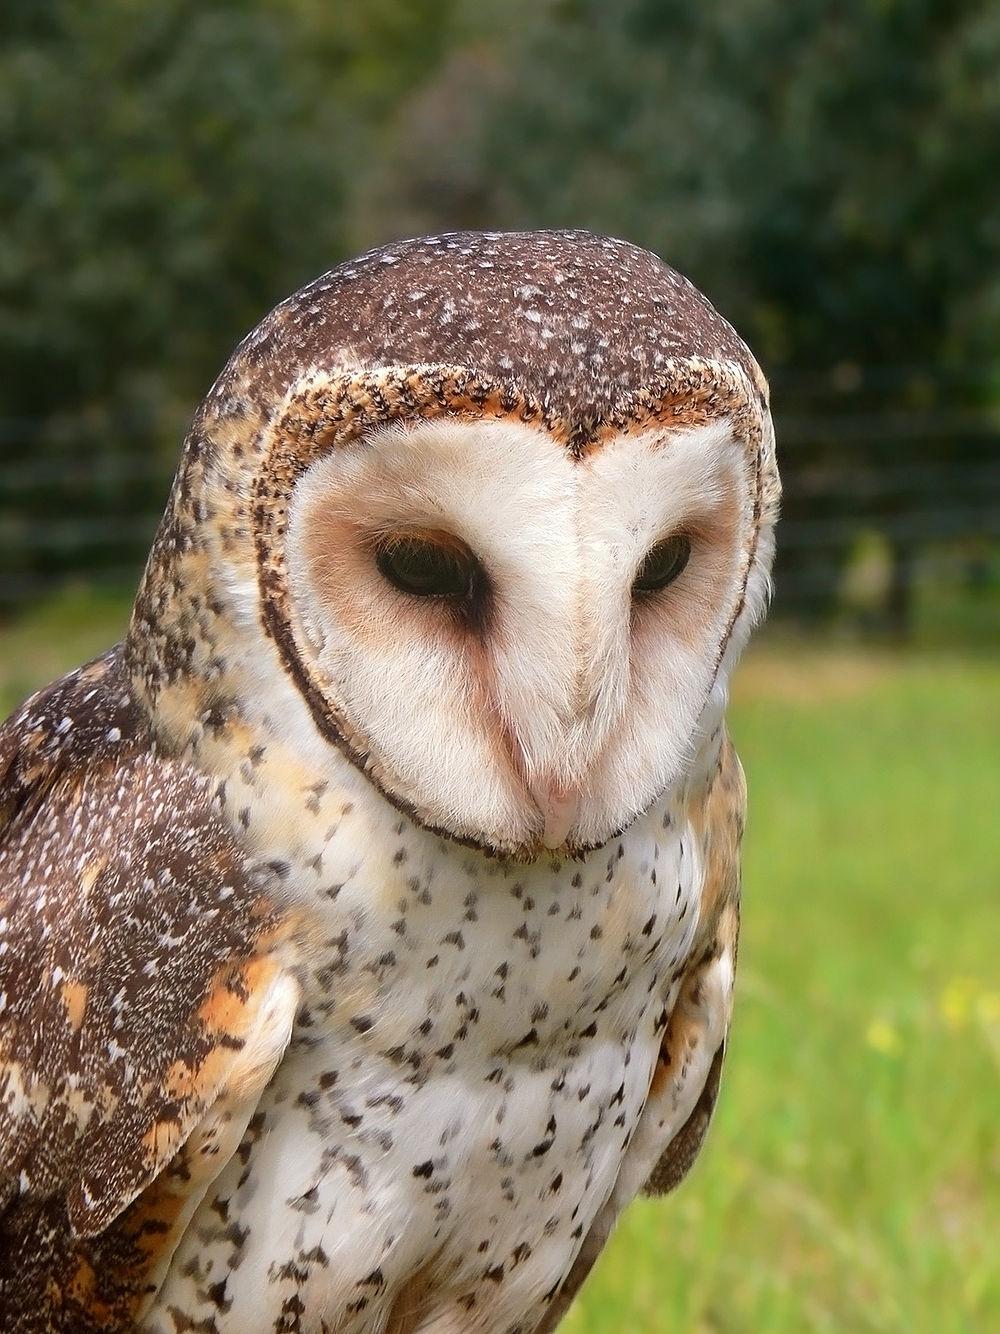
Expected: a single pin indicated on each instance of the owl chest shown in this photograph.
(469, 1065)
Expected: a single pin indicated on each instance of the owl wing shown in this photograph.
(686, 1083)
(145, 999)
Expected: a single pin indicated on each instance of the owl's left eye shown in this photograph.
(429, 567)
(662, 564)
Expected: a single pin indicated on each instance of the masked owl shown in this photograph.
(368, 916)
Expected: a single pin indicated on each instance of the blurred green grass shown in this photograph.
(850, 1182)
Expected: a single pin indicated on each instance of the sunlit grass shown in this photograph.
(850, 1182)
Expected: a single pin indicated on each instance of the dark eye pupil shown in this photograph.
(427, 569)
(662, 564)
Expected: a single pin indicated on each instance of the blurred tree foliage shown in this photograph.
(825, 172)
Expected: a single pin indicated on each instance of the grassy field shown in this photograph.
(850, 1182)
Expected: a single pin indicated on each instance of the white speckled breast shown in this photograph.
(474, 1051)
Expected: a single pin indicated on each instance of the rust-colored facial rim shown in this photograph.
(322, 413)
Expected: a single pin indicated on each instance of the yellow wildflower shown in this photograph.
(882, 1036)
(956, 1002)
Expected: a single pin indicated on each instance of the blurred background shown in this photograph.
(827, 174)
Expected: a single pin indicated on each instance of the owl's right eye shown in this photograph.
(436, 565)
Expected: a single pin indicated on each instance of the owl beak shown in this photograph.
(559, 807)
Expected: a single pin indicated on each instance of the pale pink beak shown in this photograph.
(559, 807)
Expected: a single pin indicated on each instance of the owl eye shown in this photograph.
(425, 567)
(662, 564)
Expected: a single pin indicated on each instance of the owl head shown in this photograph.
(496, 510)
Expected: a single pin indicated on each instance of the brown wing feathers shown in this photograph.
(137, 948)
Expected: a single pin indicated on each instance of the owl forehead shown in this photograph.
(580, 324)
(505, 473)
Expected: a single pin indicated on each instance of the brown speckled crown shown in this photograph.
(586, 335)
(577, 322)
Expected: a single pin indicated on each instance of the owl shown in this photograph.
(368, 915)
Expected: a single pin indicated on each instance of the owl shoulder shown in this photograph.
(144, 960)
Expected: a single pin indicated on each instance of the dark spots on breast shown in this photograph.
(544, 1145)
(290, 1320)
(307, 1202)
(216, 1294)
(454, 938)
(384, 961)
(424, 1169)
(393, 1101)
(236, 1236)
(495, 1273)
(362, 1023)
(648, 928)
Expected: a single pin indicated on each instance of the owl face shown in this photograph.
(521, 641)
